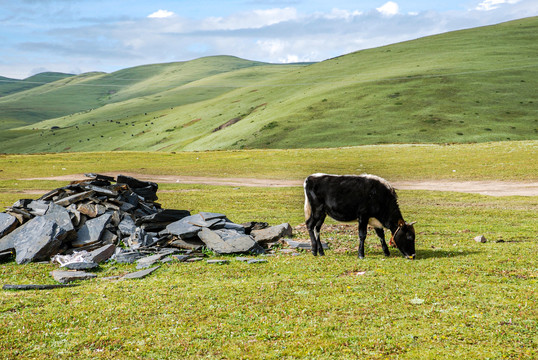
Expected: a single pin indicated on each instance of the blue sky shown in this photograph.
(76, 36)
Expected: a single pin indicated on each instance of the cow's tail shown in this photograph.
(307, 206)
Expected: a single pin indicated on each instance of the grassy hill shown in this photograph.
(11, 86)
(467, 86)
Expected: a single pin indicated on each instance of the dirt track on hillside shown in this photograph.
(490, 187)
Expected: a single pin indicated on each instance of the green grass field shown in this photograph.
(458, 299)
(475, 85)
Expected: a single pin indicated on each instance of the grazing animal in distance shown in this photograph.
(365, 198)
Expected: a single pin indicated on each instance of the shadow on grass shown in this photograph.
(432, 253)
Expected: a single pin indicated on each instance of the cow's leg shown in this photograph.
(363, 228)
(317, 230)
(313, 224)
(381, 234)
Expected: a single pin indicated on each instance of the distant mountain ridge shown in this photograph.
(465, 86)
(11, 86)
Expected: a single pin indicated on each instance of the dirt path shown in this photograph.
(493, 188)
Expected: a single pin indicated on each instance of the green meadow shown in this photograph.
(458, 299)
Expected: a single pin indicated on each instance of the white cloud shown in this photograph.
(488, 5)
(160, 14)
(250, 20)
(389, 9)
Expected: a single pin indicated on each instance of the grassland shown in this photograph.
(458, 299)
(475, 85)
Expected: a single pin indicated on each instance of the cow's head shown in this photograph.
(404, 239)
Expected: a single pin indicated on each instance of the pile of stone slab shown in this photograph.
(119, 218)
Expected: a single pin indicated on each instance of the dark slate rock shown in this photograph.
(164, 216)
(35, 286)
(36, 240)
(303, 244)
(81, 265)
(38, 207)
(140, 274)
(127, 225)
(254, 225)
(214, 242)
(148, 261)
(101, 254)
(239, 243)
(99, 177)
(195, 219)
(61, 216)
(127, 257)
(64, 276)
(91, 231)
(146, 189)
(211, 216)
(233, 226)
(8, 223)
(140, 238)
(74, 198)
(100, 190)
(188, 244)
(181, 258)
(183, 229)
(194, 259)
(272, 234)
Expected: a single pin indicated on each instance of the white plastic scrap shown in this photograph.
(76, 257)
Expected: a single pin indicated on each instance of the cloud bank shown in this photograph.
(76, 42)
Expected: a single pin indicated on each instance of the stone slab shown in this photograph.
(272, 234)
(36, 240)
(8, 223)
(64, 276)
(91, 231)
(140, 274)
(101, 254)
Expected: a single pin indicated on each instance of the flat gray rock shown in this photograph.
(227, 243)
(101, 254)
(181, 258)
(81, 265)
(210, 216)
(303, 244)
(127, 226)
(127, 257)
(36, 240)
(8, 223)
(66, 201)
(217, 261)
(256, 261)
(61, 216)
(64, 276)
(91, 231)
(183, 229)
(140, 274)
(272, 234)
(148, 261)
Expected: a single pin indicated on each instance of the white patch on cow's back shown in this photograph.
(375, 223)
(380, 179)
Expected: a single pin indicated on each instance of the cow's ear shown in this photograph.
(401, 223)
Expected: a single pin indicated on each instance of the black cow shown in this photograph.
(366, 198)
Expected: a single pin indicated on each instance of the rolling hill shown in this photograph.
(472, 85)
